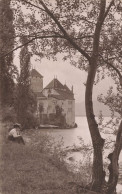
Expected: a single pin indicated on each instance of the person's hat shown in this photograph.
(17, 125)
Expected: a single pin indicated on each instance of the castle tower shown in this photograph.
(36, 81)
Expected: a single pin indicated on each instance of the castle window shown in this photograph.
(41, 107)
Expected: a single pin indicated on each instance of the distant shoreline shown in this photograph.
(95, 115)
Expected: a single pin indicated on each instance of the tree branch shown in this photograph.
(106, 12)
(57, 35)
(98, 28)
(64, 32)
(34, 37)
(111, 65)
(33, 5)
(85, 19)
(37, 37)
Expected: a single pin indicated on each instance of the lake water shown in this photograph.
(72, 136)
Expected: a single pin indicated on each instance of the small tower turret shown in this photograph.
(36, 81)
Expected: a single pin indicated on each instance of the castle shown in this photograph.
(54, 100)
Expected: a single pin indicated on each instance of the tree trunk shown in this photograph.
(98, 173)
(113, 166)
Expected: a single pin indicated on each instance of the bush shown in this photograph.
(29, 120)
(8, 114)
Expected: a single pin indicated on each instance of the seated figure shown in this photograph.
(14, 134)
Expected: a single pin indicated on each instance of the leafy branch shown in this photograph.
(33, 5)
(111, 65)
(64, 31)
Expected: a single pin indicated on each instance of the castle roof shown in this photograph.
(35, 73)
(63, 91)
(66, 88)
(63, 95)
(54, 84)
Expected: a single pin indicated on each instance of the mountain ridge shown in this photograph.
(80, 109)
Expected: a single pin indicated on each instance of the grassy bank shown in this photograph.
(36, 168)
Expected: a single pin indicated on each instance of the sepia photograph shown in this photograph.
(60, 96)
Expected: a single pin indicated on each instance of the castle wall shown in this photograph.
(69, 110)
(46, 92)
(68, 107)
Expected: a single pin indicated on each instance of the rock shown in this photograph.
(71, 159)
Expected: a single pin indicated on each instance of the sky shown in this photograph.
(67, 73)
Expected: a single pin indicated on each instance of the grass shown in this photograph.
(35, 168)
